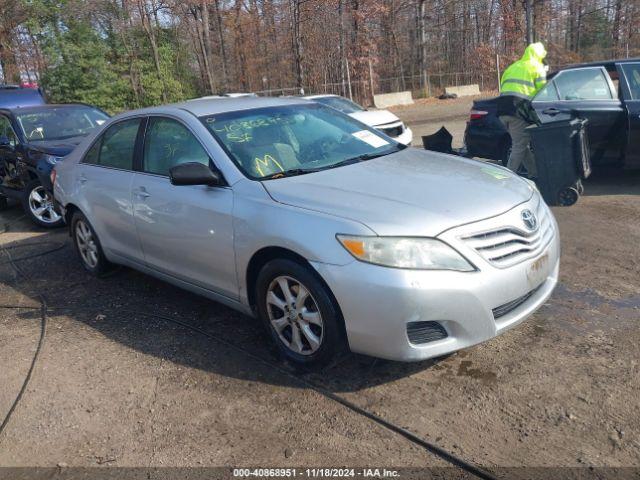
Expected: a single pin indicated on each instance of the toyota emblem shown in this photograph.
(529, 219)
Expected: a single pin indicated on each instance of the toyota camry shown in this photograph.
(333, 234)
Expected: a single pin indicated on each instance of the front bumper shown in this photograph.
(378, 302)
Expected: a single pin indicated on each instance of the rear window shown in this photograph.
(339, 103)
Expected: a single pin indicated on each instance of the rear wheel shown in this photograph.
(88, 246)
(299, 313)
(38, 204)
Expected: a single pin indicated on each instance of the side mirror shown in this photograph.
(5, 142)
(194, 173)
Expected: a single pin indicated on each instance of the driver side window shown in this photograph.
(169, 143)
(7, 131)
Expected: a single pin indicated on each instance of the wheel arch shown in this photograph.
(69, 210)
(265, 255)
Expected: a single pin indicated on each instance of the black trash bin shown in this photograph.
(561, 150)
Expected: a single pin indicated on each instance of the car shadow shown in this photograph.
(139, 312)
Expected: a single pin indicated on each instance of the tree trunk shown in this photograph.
(149, 30)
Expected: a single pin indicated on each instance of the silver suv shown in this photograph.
(333, 234)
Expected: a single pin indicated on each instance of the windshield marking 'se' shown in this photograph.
(290, 140)
(53, 123)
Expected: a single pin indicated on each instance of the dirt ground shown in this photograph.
(118, 386)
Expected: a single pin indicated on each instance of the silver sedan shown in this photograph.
(333, 234)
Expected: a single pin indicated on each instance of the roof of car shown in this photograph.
(12, 96)
(210, 106)
(47, 106)
(607, 64)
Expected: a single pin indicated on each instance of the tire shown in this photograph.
(320, 330)
(38, 205)
(88, 246)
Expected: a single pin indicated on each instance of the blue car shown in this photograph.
(12, 96)
(32, 140)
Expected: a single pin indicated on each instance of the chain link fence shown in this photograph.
(429, 85)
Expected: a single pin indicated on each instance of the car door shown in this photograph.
(589, 93)
(8, 152)
(186, 231)
(104, 178)
(630, 83)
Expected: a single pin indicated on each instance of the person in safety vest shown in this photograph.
(519, 84)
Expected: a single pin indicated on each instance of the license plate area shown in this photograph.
(538, 271)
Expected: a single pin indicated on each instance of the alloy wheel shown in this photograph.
(42, 207)
(86, 244)
(294, 315)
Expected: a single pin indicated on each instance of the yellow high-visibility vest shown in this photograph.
(528, 75)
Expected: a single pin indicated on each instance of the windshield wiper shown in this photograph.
(368, 156)
(291, 173)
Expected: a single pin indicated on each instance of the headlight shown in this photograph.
(405, 252)
(52, 159)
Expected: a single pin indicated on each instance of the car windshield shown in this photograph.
(339, 103)
(57, 123)
(290, 140)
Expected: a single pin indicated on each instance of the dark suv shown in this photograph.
(32, 140)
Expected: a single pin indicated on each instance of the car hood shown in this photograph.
(412, 192)
(59, 148)
(373, 118)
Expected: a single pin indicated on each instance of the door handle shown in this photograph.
(141, 192)
(551, 111)
(82, 179)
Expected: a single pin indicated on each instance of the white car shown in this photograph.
(382, 120)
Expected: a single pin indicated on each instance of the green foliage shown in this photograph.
(100, 64)
(80, 71)
(596, 33)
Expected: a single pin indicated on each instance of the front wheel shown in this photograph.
(38, 204)
(299, 313)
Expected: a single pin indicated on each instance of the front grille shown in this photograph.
(508, 307)
(392, 131)
(509, 245)
(425, 332)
